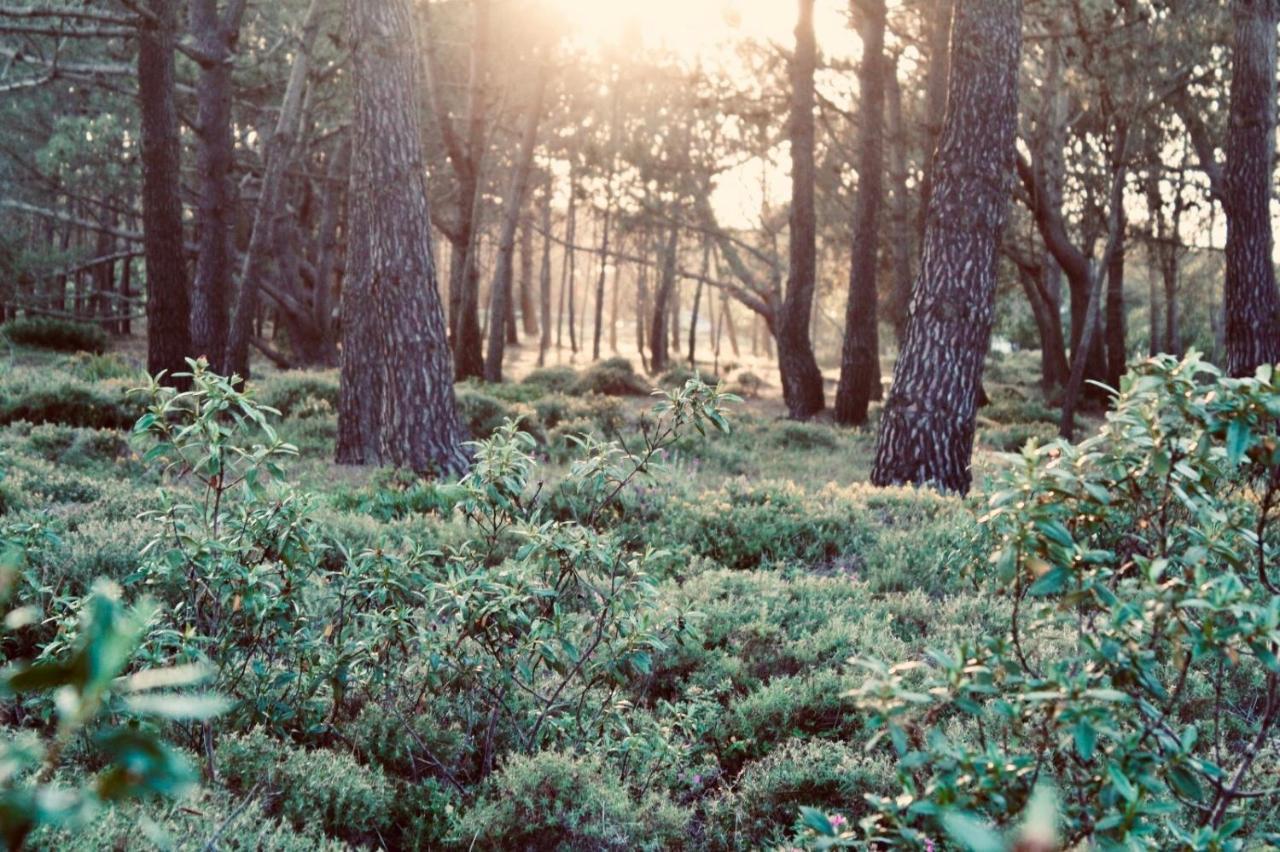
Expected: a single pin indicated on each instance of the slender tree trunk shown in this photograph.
(697, 303)
(569, 255)
(600, 282)
(926, 431)
(500, 292)
(528, 313)
(801, 379)
(322, 305)
(277, 152)
(900, 212)
(1116, 355)
(613, 306)
(1252, 308)
(1154, 335)
(544, 274)
(215, 39)
(860, 355)
(658, 336)
(642, 302)
(168, 296)
(396, 404)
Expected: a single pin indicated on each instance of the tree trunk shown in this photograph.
(277, 152)
(926, 431)
(1116, 355)
(571, 235)
(697, 303)
(215, 38)
(528, 313)
(860, 355)
(544, 274)
(658, 336)
(900, 212)
(396, 404)
(939, 41)
(801, 379)
(600, 282)
(500, 292)
(168, 297)
(1252, 307)
(322, 303)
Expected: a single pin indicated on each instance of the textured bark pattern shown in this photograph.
(900, 211)
(215, 37)
(396, 405)
(168, 297)
(860, 356)
(1116, 354)
(940, 13)
(926, 432)
(801, 378)
(658, 336)
(528, 314)
(1252, 303)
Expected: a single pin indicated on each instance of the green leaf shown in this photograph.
(179, 706)
(1122, 784)
(1051, 582)
(971, 833)
(1237, 441)
(1186, 783)
(817, 821)
(1086, 739)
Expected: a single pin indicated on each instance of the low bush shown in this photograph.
(483, 414)
(552, 379)
(57, 334)
(556, 800)
(681, 373)
(69, 402)
(763, 805)
(793, 435)
(296, 393)
(611, 377)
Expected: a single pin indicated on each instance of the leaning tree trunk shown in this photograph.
(939, 40)
(215, 39)
(396, 403)
(860, 356)
(277, 151)
(1252, 302)
(801, 379)
(500, 306)
(168, 297)
(926, 431)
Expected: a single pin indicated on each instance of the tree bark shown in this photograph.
(528, 313)
(939, 45)
(860, 355)
(1116, 355)
(926, 431)
(500, 292)
(801, 379)
(168, 296)
(1252, 309)
(396, 403)
(215, 38)
(544, 274)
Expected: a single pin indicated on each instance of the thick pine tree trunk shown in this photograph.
(926, 431)
(860, 355)
(396, 405)
(211, 288)
(168, 296)
(801, 379)
(939, 43)
(1252, 308)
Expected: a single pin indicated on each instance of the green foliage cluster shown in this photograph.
(57, 334)
(1137, 674)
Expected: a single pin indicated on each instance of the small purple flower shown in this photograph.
(928, 845)
(697, 779)
(838, 822)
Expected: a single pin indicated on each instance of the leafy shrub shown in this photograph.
(57, 334)
(611, 377)
(1014, 436)
(1138, 669)
(552, 379)
(77, 447)
(748, 384)
(761, 808)
(89, 367)
(555, 800)
(297, 393)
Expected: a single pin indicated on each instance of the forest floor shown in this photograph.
(793, 565)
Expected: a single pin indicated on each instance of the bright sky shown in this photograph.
(691, 27)
(707, 29)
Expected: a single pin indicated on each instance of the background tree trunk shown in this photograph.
(168, 296)
(396, 403)
(658, 336)
(801, 379)
(926, 431)
(860, 356)
(900, 213)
